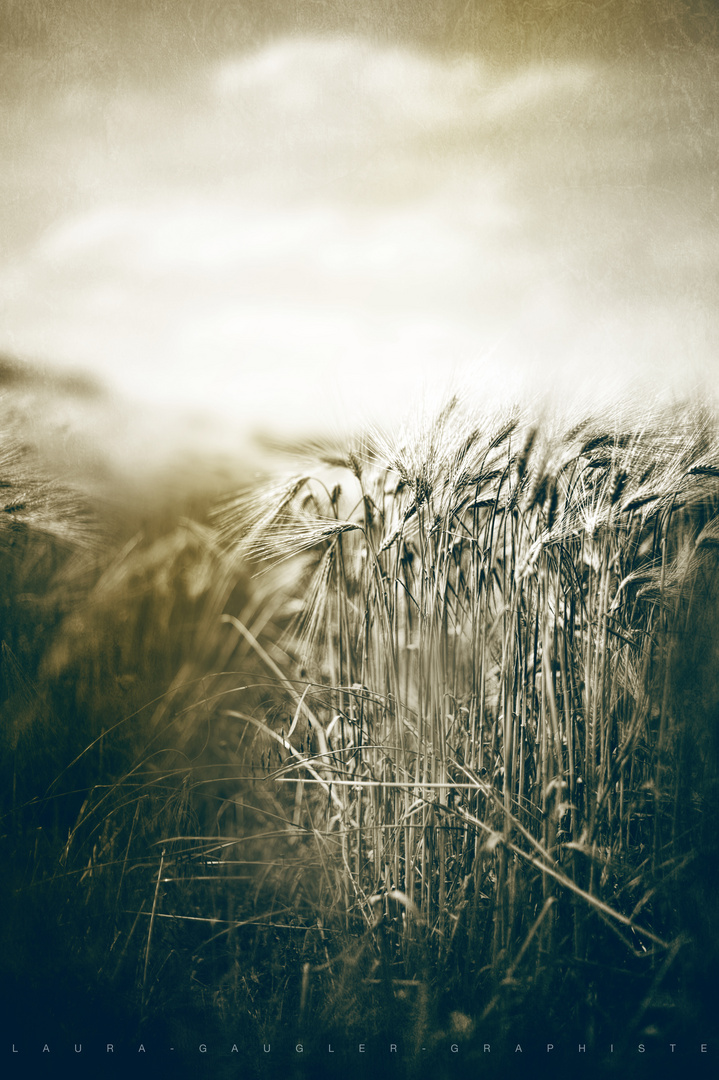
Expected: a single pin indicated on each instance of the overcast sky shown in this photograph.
(248, 227)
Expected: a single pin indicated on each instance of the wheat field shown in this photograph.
(415, 745)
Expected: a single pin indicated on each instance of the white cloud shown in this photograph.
(325, 217)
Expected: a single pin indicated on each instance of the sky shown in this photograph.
(246, 225)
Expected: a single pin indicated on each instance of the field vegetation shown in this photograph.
(417, 744)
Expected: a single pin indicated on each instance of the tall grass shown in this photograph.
(495, 744)
(446, 772)
(107, 623)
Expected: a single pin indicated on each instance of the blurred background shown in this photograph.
(229, 222)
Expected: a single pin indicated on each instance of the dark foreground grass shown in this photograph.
(445, 776)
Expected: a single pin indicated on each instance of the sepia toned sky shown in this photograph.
(249, 220)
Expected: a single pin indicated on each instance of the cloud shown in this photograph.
(329, 220)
